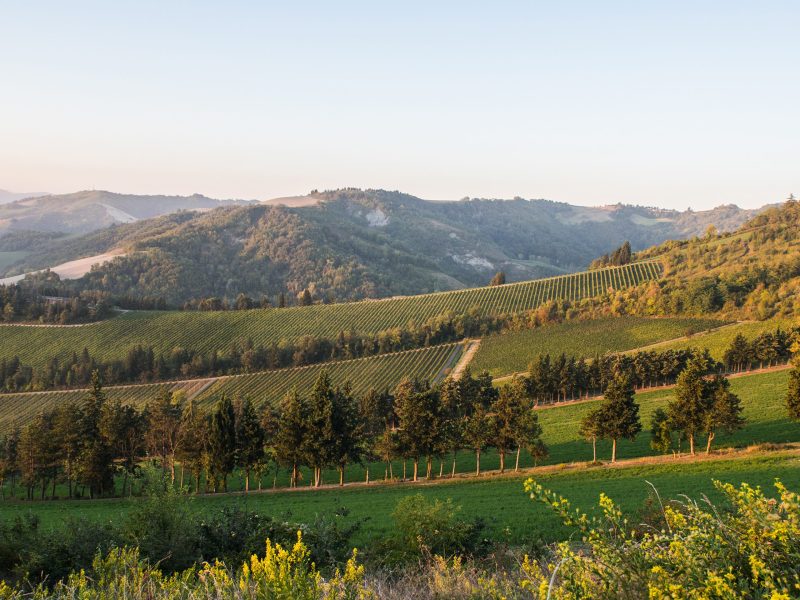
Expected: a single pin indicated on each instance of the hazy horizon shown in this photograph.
(679, 105)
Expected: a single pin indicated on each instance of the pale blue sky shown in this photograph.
(667, 103)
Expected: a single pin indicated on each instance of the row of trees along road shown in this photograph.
(87, 446)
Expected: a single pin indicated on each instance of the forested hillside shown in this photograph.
(352, 244)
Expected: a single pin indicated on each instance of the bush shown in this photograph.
(425, 527)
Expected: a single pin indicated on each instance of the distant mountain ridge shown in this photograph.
(90, 210)
(351, 244)
(7, 196)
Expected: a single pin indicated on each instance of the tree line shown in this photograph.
(25, 304)
(90, 445)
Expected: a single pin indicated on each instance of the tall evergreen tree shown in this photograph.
(163, 417)
(222, 443)
(348, 430)
(660, 432)
(319, 442)
(291, 434)
(507, 412)
(687, 411)
(421, 425)
(249, 439)
(193, 442)
(94, 465)
(793, 394)
(620, 413)
(724, 409)
(591, 429)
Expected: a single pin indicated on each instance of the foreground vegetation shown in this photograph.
(403, 529)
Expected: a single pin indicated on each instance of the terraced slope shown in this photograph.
(380, 372)
(205, 331)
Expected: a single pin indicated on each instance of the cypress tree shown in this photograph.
(222, 443)
(620, 413)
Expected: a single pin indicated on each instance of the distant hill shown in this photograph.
(350, 244)
(87, 211)
(6, 196)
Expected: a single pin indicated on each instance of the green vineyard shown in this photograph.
(379, 372)
(207, 331)
(513, 352)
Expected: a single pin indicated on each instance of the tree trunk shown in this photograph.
(416, 465)
(477, 462)
(691, 444)
(367, 469)
(246, 481)
(428, 467)
(516, 463)
(453, 471)
(613, 450)
(404, 470)
(441, 468)
(502, 461)
(341, 476)
(710, 439)
(594, 449)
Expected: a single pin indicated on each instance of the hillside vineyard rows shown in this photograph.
(208, 331)
(379, 372)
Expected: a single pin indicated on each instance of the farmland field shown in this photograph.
(206, 331)
(510, 514)
(381, 372)
(719, 341)
(512, 352)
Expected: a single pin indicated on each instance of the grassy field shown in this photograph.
(719, 341)
(510, 514)
(206, 331)
(513, 352)
(381, 372)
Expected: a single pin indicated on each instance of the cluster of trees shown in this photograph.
(620, 256)
(702, 405)
(84, 446)
(24, 304)
(245, 302)
(562, 378)
(766, 349)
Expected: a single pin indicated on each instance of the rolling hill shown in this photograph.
(344, 245)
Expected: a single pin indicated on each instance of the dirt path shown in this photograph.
(466, 359)
(724, 454)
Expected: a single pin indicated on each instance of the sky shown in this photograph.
(673, 104)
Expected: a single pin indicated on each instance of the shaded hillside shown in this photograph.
(351, 244)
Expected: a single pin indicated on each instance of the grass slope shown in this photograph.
(513, 352)
(206, 331)
(719, 341)
(500, 500)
